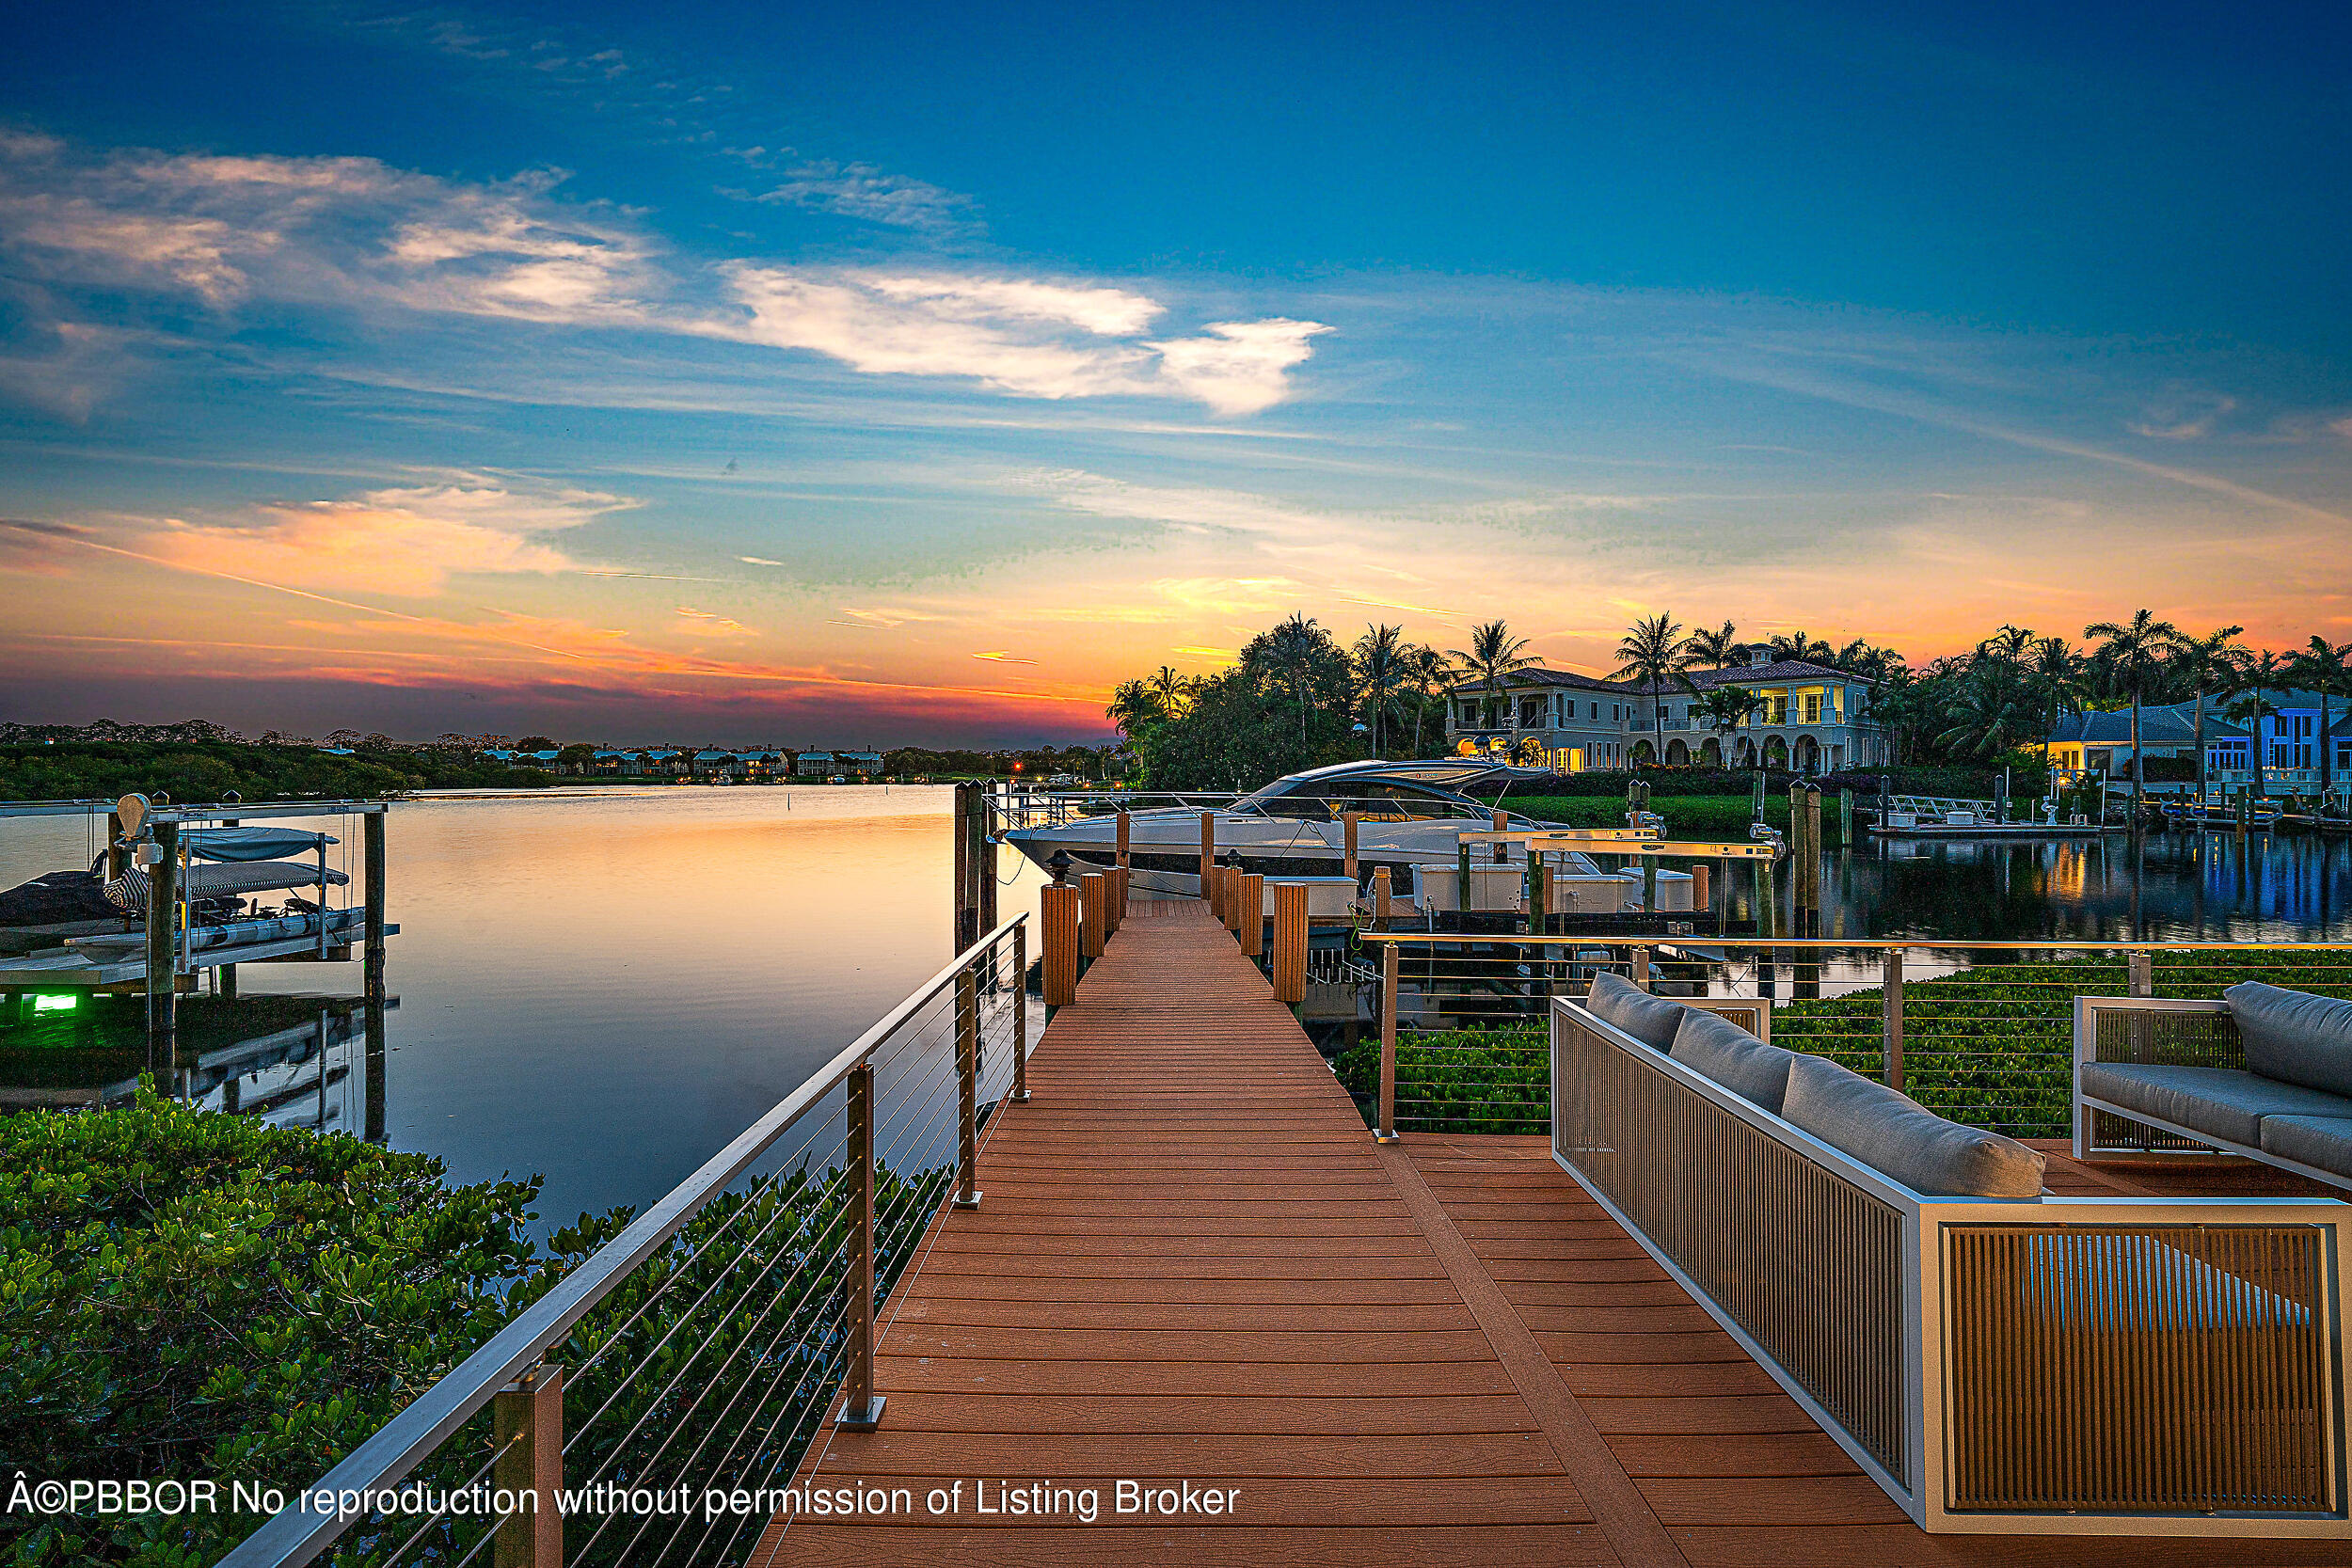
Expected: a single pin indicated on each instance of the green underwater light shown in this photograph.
(55, 1003)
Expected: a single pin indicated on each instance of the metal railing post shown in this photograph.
(1891, 1004)
(1390, 962)
(861, 1408)
(1021, 1015)
(527, 1427)
(967, 1088)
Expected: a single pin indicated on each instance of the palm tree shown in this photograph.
(2211, 662)
(2326, 671)
(1379, 668)
(2009, 643)
(1722, 710)
(2056, 673)
(1798, 647)
(2132, 656)
(1290, 652)
(1653, 651)
(1718, 649)
(1135, 706)
(1430, 672)
(1493, 653)
(1172, 689)
(2263, 672)
(1996, 708)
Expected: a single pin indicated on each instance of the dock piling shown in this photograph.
(1093, 913)
(1208, 851)
(1891, 1009)
(1059, 904)
(1381, 894)
(1252, 902)
(163, 954)
(1348, 819)
(1125, 833)
(1290, 943)
(1236, 914)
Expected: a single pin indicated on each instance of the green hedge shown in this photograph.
(189, 1295)
(1992, 1046)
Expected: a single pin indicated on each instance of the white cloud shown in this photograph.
(705, 623)
(407, 542)
(354, 233)
(1240, 367)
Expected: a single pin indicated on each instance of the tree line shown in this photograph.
(1295, 698)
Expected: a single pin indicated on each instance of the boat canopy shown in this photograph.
(252, 843)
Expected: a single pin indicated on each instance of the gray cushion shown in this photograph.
(1651, 1020)
(2324, 1142)
(2221, 1100)
(1712, 1044)
(2292, 1036)
(1897, 1137)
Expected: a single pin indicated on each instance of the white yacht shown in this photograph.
(1410, 818)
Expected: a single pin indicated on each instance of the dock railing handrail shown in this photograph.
(300, 1533)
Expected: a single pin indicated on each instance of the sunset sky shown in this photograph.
(867, 373)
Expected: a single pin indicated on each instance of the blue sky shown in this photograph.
(810, 374)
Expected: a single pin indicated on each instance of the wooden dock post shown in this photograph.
(1538, 892)
(984, 860)
(968, 929)
(1290, 943)
(1118, 896)
(1702, 889)
(1502, 825)
(1385, 1132)
(1813, 861)
(1236, 916)
(163, 956)
(1059, 903)
(371, 967)
(1253, 902)
(1381, 894)
(969, 1087)
(1208, 850)
(527, 1421)
(1094, 913)
(1462, 881)
(1641, 967)
(1348, 819)
(1126, 826)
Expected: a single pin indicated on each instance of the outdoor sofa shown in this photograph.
(2265, 1073)
(1997, 1357)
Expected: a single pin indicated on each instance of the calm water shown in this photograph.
(606, 987)
(2181, 886)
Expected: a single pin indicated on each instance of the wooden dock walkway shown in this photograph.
(1193, 1265)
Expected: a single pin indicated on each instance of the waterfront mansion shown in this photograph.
(1808, 717)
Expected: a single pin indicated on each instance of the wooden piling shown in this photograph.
(1125, 829)
(1385, 1130)
(967, 920)
(1462, 874)
(1702, 889)
(1252, 902)
(1208, 848)
(1236, 911)
(1093, 913)
(1118, 897)
(163, 954)
(1290, 943)
(1891, 1016)
(1381, 895)
(1538, 893)
(984, 861)
(1348, 819)
(1059, 906)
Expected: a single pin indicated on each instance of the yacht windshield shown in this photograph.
(1377, 799)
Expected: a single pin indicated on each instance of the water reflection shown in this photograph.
(2121, 887)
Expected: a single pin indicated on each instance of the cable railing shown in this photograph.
(1980, 1033)
(653, 1404)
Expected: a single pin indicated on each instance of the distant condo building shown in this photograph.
(1811, 719)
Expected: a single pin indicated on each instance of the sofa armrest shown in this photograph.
(2152, 1031)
